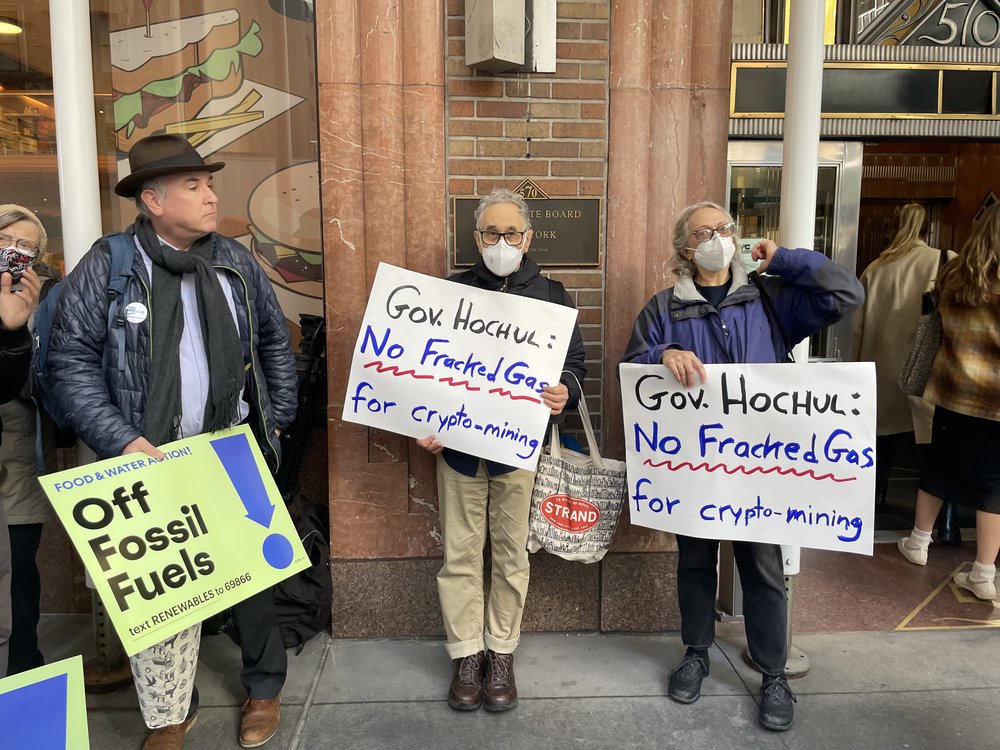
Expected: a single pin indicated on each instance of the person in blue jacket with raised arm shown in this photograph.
(716, 314)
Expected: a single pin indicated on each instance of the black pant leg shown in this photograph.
(25, 597)
(885, 453)
(697, 581)
(765, 603)
(265, 662)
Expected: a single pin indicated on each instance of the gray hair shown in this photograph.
(680, 265)
(159, 190)
(11, 212)
(503, 195)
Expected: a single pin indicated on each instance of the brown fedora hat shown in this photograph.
(158, 155)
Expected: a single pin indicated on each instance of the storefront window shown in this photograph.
(237, 78)
(27, 122)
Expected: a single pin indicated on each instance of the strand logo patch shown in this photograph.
(572, 514)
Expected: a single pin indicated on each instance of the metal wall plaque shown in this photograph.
(567, 231)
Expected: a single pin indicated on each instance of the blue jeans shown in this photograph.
(764, 601)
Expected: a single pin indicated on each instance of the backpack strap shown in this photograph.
(772, 315)
(122, 257)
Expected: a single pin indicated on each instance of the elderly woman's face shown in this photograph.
(704, 218)
(18, 247)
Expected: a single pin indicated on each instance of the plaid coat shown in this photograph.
(966, 373)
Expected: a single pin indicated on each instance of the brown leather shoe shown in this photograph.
(466, 691)
(499, 692)
(260, 721)
(169, 737)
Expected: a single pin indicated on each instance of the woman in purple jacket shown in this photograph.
(715, 314)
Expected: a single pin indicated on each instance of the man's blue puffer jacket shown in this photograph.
(105, 405)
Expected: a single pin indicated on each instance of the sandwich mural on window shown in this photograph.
(238, 80)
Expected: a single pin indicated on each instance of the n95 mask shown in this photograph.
(716, 253)
(501, 258)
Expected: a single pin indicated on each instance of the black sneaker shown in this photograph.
(684, 685)
(776, 711)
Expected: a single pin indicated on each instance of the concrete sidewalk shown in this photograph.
(916, 690)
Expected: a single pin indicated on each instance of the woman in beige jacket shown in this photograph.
(884, 328)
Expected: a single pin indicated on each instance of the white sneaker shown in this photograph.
(913, 551)
(982, 589)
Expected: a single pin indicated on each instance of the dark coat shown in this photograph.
(105, 406)
(527, 281)
(15, 360)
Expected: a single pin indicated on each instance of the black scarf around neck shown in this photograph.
(222, 341)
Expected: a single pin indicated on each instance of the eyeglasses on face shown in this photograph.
(705, 234)
(25, 246)
(489, 237)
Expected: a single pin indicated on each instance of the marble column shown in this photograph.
(382, 166)
(670, 63)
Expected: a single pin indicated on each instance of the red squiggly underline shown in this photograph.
(460, 383)
(512, 397)
(743, 469)
(394, 370)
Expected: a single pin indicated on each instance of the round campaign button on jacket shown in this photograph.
(135, 312)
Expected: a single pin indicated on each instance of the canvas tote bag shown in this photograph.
(577, 498)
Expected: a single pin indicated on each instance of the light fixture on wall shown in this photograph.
(10, 26)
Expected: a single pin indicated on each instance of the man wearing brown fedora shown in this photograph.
(204, 334)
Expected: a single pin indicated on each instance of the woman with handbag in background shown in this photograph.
(964, 462)
(884, 328)
(716, 314)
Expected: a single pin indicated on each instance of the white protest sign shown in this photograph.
(766, 452)
(437, 357)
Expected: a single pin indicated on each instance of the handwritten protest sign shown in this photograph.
(436, 357)
(767, 453)
(45, 708)
(171, 542)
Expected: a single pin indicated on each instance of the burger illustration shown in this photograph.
(165, 78)
(286, 230)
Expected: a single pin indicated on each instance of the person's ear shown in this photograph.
(526, 240)
(152, 202)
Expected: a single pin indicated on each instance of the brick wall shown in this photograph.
(551, 128)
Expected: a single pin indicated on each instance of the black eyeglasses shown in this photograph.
(705, 234)
(25, 246)
(489, 237)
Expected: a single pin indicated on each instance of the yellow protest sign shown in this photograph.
(171, 542)
(45, 707)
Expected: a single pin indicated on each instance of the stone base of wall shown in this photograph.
(624, 592)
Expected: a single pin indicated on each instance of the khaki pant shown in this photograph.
(466, 505)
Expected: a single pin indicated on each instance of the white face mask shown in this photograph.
(716, 253)
(501, 258)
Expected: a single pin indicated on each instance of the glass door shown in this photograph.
(754, 189)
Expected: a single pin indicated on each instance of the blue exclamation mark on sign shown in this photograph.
(237, 459)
